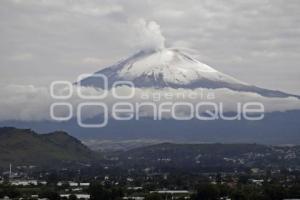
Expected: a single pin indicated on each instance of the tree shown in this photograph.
(206, 192)
(49, 194)
(97, 191)
(154, 196)
(72, 197)
(10, 191)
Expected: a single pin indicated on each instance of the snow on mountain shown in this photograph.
(174, 69)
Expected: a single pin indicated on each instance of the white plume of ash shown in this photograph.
(149, 35)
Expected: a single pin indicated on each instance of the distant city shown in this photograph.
(154, 171)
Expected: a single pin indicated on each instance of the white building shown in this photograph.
(79, 196)
(23, 182)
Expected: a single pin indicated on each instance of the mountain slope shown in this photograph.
(25, 147)
(171, 68)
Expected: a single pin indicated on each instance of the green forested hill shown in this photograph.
(25, 147)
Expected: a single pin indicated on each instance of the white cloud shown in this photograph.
(92, 61)
(100, 10)
(255, 41)
(22, 57)
(30, 103)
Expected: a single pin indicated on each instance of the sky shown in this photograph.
(255, 41)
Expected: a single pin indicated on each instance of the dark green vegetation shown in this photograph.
(204, 171)
(271, 191)
(201, 191)
(25, 147)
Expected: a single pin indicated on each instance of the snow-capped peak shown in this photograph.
(164, 68)
(171, 65)
(172, 68)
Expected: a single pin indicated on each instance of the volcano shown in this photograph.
(167, 70)
(174, 69)
(153, 71)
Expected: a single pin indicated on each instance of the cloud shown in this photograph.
(92, 61)
(91, 9)
(22, 57)
(255, 41)
(31, 103)
(24, 102)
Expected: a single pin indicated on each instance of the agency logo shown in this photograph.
(124, 102)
